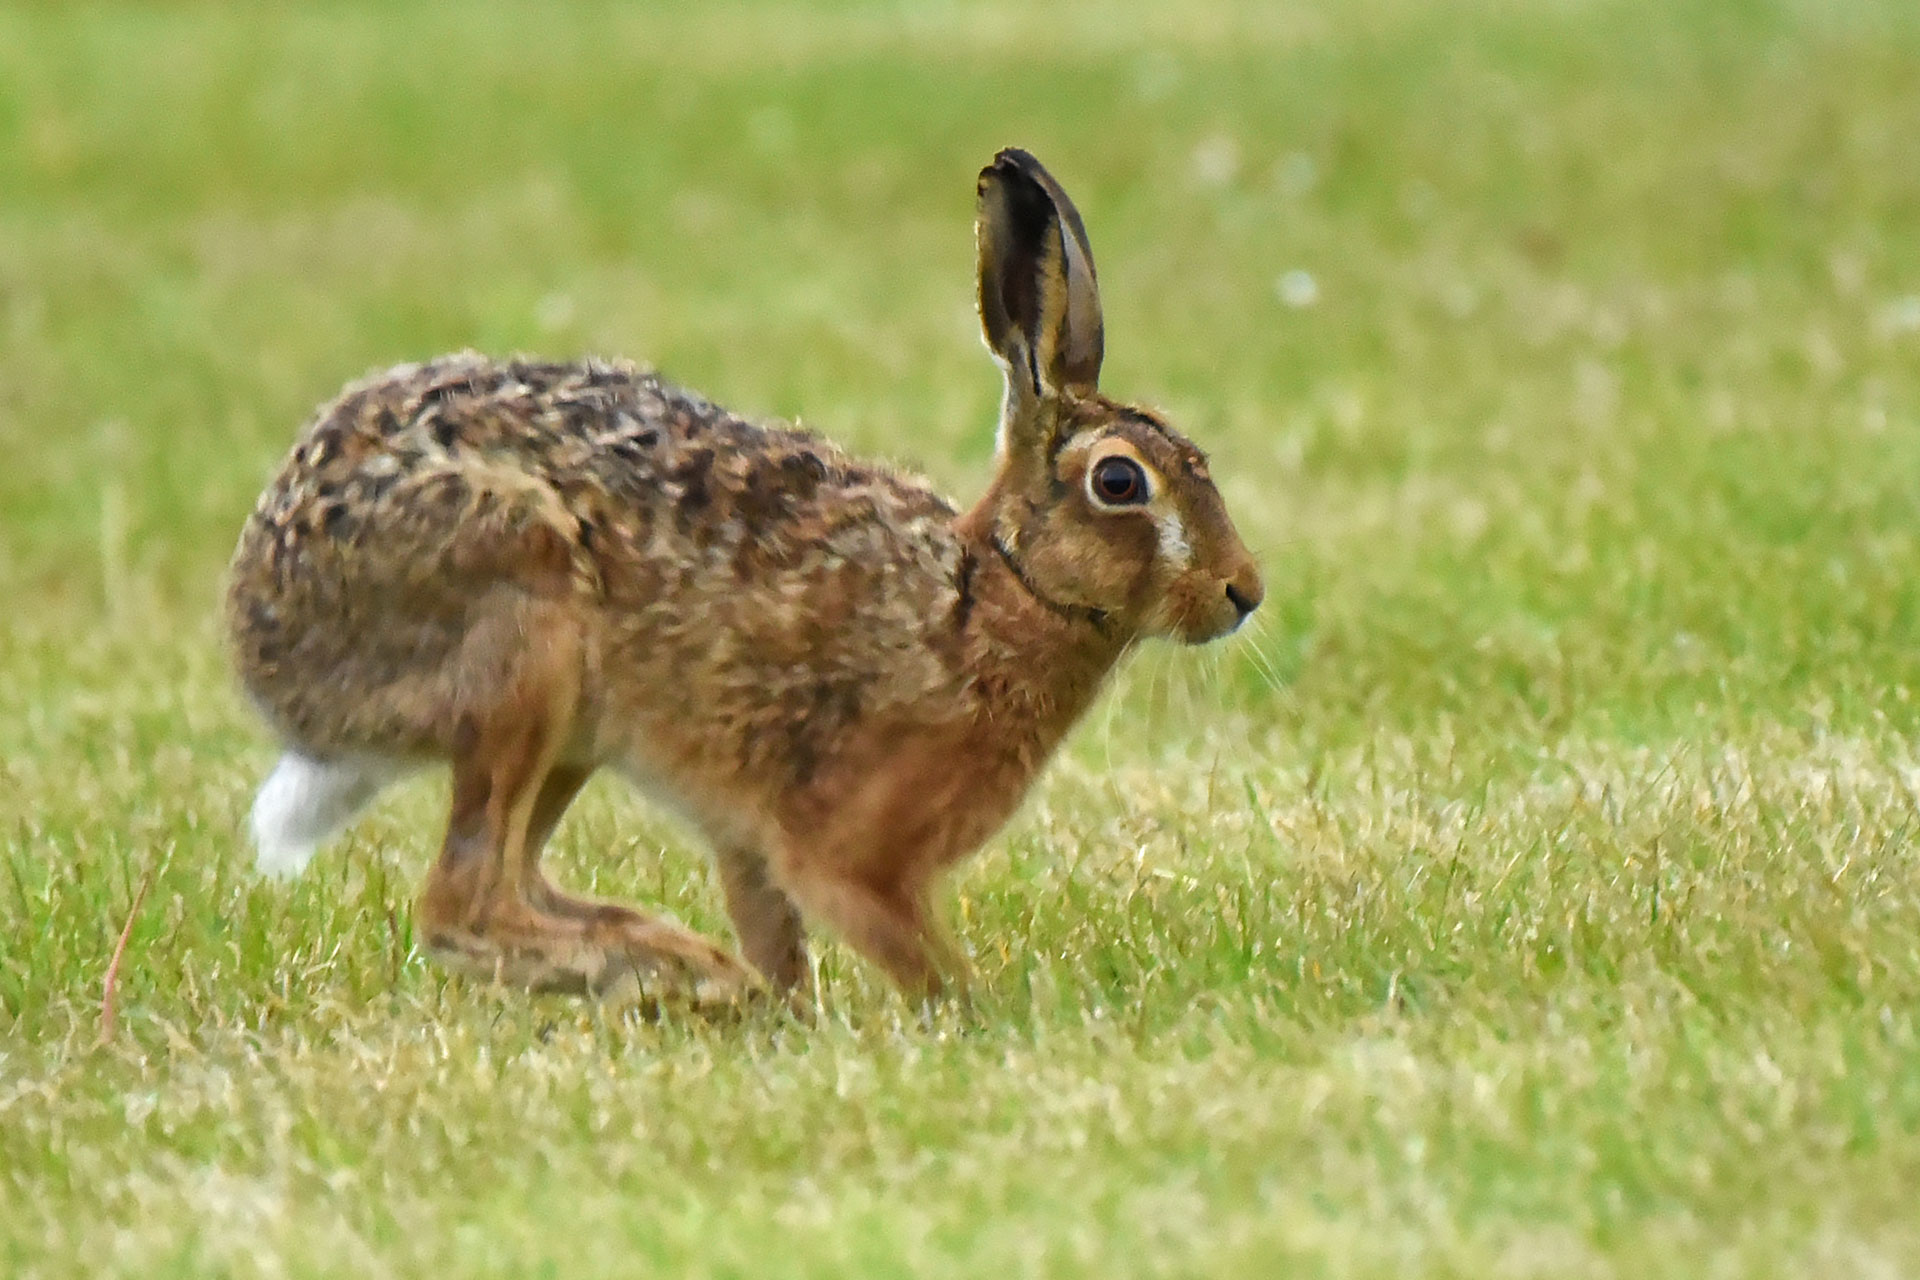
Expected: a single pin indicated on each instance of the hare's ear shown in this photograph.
(1039, 301)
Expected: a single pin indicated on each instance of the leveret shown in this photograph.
(534, 571)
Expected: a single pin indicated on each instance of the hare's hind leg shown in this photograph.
(630, 928)
(557, 791)
(486, 909)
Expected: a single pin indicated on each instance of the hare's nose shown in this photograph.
(1246, 597)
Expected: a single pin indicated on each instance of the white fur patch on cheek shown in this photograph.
(1175, 550)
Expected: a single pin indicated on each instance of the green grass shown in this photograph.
(1531, 893)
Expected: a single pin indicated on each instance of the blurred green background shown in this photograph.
(1528, 892)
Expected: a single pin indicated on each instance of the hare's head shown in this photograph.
(1100, 507)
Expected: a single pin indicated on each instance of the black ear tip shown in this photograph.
(1034, 199)
(1012, 160)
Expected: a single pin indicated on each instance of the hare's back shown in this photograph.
(420, 499)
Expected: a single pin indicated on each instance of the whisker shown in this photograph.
(1262, 663)
(1109, 708)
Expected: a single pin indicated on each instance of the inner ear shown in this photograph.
(1039, 298)
(1015, 221)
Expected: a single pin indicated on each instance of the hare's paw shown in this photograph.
(665, 959)
(595, 949)
(556, 961)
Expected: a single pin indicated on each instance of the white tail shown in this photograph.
(303, 801)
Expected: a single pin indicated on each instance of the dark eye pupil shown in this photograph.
(1118, 480)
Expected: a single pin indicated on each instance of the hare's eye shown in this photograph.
(1118, 482)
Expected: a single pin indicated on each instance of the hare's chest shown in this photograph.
(910, 805)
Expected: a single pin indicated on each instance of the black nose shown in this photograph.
(1242, 601)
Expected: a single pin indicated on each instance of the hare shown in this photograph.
(533, 571)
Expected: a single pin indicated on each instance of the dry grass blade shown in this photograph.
(110, 985)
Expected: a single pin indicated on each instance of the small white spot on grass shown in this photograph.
(1216, 160)
(1900, 317)
(1297, 288)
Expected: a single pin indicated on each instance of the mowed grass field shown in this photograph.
(1531, 891)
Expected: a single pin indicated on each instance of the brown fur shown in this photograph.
(535, 570)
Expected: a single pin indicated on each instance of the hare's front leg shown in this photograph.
(772, 936)
(890, 923)
(486, 908)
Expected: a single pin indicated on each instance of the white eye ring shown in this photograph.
(1118, 481)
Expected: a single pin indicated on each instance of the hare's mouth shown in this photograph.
(1203, 625)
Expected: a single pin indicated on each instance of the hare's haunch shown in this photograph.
(535, 570)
